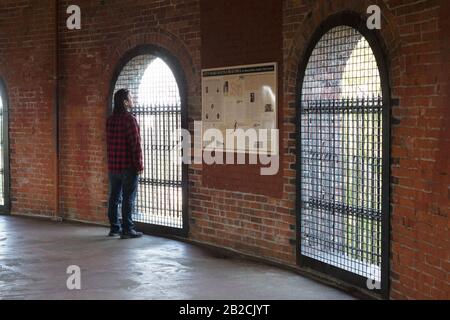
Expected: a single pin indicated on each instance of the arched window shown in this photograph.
(2, 171)
(4, 157)
(342, 158)
(158, 86)
(158, 109)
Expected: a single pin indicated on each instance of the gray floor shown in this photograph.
(35, 254)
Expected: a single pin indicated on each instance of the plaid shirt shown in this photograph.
(123, 143)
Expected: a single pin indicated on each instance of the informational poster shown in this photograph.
(241, 97)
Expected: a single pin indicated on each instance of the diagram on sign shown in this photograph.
(213, 111)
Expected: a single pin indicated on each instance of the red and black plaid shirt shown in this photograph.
(123, 143)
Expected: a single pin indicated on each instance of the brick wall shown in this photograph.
(26, 66)
(232, 207)
(224, 25)
(413, 35)
(420, 191)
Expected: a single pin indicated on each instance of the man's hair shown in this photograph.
(119, 98)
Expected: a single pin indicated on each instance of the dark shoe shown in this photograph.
(114, 233)
(131, 235)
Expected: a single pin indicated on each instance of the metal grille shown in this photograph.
(2, 156)
(341, 155)
(158, 111)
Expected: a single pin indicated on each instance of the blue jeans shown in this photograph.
(122, 186)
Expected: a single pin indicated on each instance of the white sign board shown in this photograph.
(241, 97)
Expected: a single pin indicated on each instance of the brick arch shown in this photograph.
(388, 38)
(165, 40)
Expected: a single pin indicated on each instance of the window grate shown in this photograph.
(341, 158)
(2, 155)
(158, 111)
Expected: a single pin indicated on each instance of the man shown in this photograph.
(124, 164)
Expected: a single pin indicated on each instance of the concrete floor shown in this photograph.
(35, 254)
